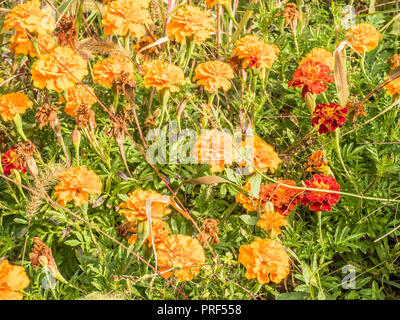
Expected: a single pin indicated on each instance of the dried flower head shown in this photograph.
(40, 249)
(135, 208)
(181, 255)
(191, 23)
(209, 231)
(20, 44)
(215, 148)
(255, 53)
(320, 55)
(66, 32)
(76, 185)
(13, 104)
(272, 221)
(123, 17)
(13, 280)
(214, 75)
(163, 76)
(85, 117)
(394, 62)
(291, 14)
(313, 76)
(78, 95)
(318, 162)
(259, 153)
(321, 201)
(125, 84)
(59, 70)
(328, 117)
(107, 70)
(29, 16)
(265, 260)
(363, 37)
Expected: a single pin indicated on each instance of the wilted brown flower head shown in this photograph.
(3, 140)
(39, 250)
(209, 230)
(24, 157)
(291, 14)
(66, 32)
(126, 85)
(151, 121)
(357, 109)
(46, 114)
(85, 117)
(125, 118)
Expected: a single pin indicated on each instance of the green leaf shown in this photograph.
(72, 243)
(292, 296)
(250, 220)
(20, 221)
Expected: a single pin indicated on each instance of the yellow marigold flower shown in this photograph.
(191, 23)
(319, 55)
(13, 279)
(59, 70)
(160, 232)
(123, 17)
(265, 260)
(183, 254)
(393, 87)
(77, 184)
(363, 37)
(272, 221)
(163, 76)
(263, 154)
(105, 71)
(28, 16)
(214, 75)
(215, 148)
(78, 95)
(135, 208)
(20, 44)
(255, 53)
(12, 104)
(212, 3)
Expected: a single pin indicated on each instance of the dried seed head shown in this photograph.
(209, 230)
(394, 62)
(66, 32)
(46, 114)
(85, 117)
(291, 14)
(126, 85)
(41, 255)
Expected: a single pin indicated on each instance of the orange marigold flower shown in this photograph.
(263, 155)
(394, 62)
(59, 70)
(77, 184)
(20, 44)
(191, 23)
(266, 260)
(107, 70)
(363, 37)
(272, 221)
(13, 279)
(160, 231)
(328, 117)
(214, 75)
(255, 53)
(321, 201)
(393, 87)
(318, 162)
(163, 76)
(123, 17)
(215, 148)
(12, 104)
(312, 75)
(78, 95)
(320, 55)
(135, 208)
(28, 16)
(212, 3)
(181, 255)
(284, 199)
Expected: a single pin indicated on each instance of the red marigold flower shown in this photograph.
(9, 162)
(321, 201)
(328, 117)
(312, 75)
